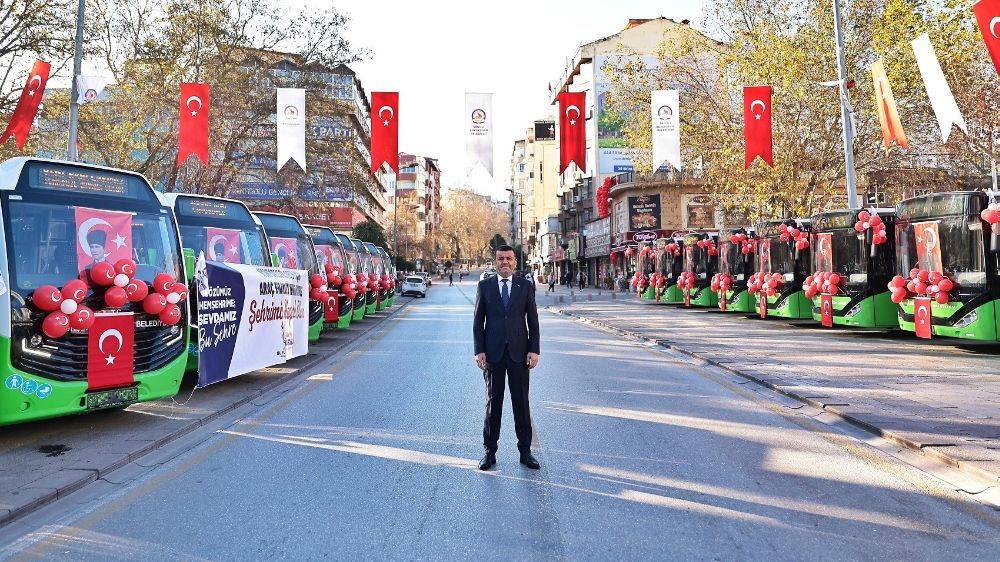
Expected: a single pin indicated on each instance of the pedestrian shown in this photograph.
(505, 335)
(552, 282)
(451, 278)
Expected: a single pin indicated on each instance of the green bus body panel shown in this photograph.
(650, 294)
(359, 313)
(345, 321)
(877, 311)
(744, 302)
(705, 298)
(16, 407)
(985, 328)
(796, 306)
(315, 329)
(672, 295)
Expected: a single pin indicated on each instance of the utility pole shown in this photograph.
(845, 111)
(74, 106)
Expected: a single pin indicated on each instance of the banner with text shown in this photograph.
(478, 132)
(249, 317)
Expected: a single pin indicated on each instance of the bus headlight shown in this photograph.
(853, 311)
(967, 319)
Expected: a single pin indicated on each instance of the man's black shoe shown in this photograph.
(528, 460)
(488, 461)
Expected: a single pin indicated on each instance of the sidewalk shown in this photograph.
(941, 397)
(46, 460)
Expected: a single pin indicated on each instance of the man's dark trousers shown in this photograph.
(517, 374)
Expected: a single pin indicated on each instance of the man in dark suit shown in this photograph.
(505, 330)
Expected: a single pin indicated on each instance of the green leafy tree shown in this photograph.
(369, 231)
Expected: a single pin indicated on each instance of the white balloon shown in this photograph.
(121, 280)
(173, 298)
(68, 306)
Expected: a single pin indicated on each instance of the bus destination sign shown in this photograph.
(207, 208)
(80, 180)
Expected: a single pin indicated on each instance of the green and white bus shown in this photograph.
(329, 249)
(88, 253)
(368, 271)
(292, 248)
(360, 285)
(223, 230)
(737, 262)
(378, 269)
(785, 267)
(701, 263)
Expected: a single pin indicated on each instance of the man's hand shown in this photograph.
(532, 360)
(481, 360)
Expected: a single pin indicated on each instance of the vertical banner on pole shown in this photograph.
(942, 100)
(193, 135)
(572, 130)
(757, 125)
(479, 131)
(27, 105)
(385, 130)
(666, 128)
(291, 126)
(888, 116)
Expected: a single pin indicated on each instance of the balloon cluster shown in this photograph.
(639, 281)
(348, 287)
(991, 215)
(614, 258)
(318, 288)
(722, 283)
(747, 243)
(64, 308)
(868, 220)
(933, 284)
(673, 248)
(657, 280)
(646, 251)
(686, 280)
(709, 244)
(822, 282)
(629, 252)
(764, 283)
(163, 300)
(387, 282)
(801, 237)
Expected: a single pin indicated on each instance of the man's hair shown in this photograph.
(505, 248)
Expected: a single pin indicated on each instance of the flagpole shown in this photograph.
(74, 107)
(845, 116)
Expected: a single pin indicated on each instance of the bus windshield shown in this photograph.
(376, 260)
(364, 260)
(289, 242)
(328, 249)
(949, 245)
(55, 242)
(778, 257)
(223, 230)
(731, 260)
(842, 251)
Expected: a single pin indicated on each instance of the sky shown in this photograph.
(434, 52)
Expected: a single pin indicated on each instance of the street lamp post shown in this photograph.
(74, 107)
(845, 111)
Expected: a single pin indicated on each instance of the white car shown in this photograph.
(487, 274)
(414, 285)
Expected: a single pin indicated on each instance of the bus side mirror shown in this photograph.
(188, 263)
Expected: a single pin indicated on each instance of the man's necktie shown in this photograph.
(504, 294)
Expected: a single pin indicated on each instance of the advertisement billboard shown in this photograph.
(644, 212)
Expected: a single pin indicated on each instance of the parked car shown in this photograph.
(425, 276)
(415, 285)
(487, 274)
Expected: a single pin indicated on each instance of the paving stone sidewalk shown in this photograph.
(45, 460)
(940, 396)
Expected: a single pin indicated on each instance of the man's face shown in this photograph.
(97, 252)
(506, 261)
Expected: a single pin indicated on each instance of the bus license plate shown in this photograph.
(112, 398)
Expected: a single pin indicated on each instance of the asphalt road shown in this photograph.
(644, 457)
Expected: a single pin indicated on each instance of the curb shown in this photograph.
(65, 490)
(930, 450)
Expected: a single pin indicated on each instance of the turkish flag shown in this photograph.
(687, 297)
(757, 124)
(27, 105)
(385, 130)
(110, 351)
(762, 304)
(223, 244)
(193, 138)
(331, 312)
(722, 301)
(826, 310)
(888, 116)
(572, 130)
(922, 317)
(988, 15)
(102, 236)
(287, 251)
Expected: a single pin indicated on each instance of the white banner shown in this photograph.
(249, 317)
(479, 132)
(291, 125)
(666, 128)
(90, 87)
(942, 100)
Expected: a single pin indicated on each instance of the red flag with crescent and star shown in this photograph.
(572, 130)
(110, 351)
(27, 106)
(223, 244)
(988, 16)
(922, 317)
(826, 310)
(888, 115)
(757, 125)
(102, 236)
(193, 137)
(331, 312)
(385, 130)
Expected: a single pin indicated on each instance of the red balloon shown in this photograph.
(154, 303)
(835, 279)
(125, 266)
(942, 297)
(47, 298)
(920, 287)
(914, 273)
(115, 297)
(163, 283)
(182, 292)
(102, 273)
(935, 277)
(898, 296)
(55, 325)
(864, 216)
(82, 319)
(75, 290)
(136, 290)
(329, 268)
(316, 280)
(170, 315)
(945, 285)
(317, 294)
(859, 227)
(875, 220)
(923, 275)
(899, 281)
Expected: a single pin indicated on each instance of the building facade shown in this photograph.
(534, 180)
(415, 209)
